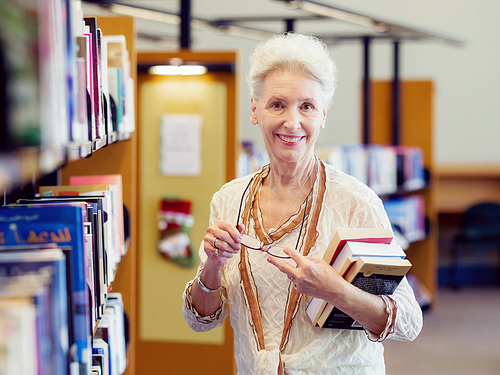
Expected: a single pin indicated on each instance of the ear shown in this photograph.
(323, 122)
(253, 116)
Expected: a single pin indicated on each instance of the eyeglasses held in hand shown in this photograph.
(254, 244)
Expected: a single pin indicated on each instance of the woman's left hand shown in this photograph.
(311, 276)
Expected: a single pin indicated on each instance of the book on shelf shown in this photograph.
(19, 108)
(410, 168)
(76, 61)
(115, 303)
(116, 186)
(384, 168)
(41, 275)
(407, 214)
(375, 275)
(63, 225)
(343, 262)
(95, 213)
(110, 335)
(121, 86)
(101, 347)
(111, 207)
(98, 363)
(96, 86)
(81, 129)
(105, 87)
(19, 343)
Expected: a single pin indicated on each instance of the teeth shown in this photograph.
(290, 139)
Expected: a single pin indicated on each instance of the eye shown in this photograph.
(307, 107)
(276, 105)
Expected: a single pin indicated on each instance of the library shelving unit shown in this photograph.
(416, 129)
(119, 158)
(21, 167)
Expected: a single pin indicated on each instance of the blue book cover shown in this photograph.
(62, 225)
(50, 265)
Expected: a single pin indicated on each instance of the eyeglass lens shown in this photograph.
(254, 244)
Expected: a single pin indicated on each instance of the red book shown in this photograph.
(373, 235)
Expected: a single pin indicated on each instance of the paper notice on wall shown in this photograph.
(180, 145)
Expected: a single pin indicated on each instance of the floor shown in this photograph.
(461, 336)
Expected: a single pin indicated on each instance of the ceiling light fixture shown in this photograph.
(146, 14)
(339, 14)
(174, 70)
(196, 23)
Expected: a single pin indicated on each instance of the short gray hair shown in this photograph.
(304, 54)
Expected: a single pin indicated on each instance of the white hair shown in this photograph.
(292, 52)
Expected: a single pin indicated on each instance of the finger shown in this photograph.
(218, 236)
(241, 228)
(216, 251)
(229, 247)
(297, 257)
(283, 266)
(228, 233)
(225, 254)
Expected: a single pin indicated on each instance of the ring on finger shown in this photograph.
(216, 252)
(214, 244)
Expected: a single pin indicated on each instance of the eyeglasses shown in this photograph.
(254, 244)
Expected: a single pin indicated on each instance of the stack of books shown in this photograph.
(367, 258)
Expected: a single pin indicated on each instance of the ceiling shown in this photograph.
(158, 20)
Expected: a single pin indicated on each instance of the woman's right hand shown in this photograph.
(222, 241)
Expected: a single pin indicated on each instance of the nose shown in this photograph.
(292, 121)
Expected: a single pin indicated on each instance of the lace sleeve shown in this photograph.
(409, 319)
(198, 322)
(195, 321)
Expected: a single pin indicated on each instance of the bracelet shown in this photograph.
(387, 329)
(203, 286)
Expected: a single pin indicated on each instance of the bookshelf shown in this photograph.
(416, 129)
(119, 158)
(24, 166)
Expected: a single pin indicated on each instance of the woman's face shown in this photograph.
(290, 114)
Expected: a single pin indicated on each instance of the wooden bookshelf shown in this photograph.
(119, 158)
(416, 130)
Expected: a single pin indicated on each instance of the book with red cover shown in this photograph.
(373, 235)
(375, 275)
(315, 306)
(114, 181)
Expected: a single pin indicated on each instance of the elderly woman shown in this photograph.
(296, 202)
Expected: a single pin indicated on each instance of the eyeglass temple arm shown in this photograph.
(241, 202)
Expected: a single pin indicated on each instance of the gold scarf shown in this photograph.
(313, 211)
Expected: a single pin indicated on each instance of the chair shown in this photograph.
(479, 229)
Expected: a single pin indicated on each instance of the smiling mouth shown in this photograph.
(290, 139)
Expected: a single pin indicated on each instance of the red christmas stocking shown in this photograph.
(174, 221)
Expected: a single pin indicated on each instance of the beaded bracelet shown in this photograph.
(203, 286)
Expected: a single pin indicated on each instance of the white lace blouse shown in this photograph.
(309, 350)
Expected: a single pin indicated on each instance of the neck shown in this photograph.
(288, 194)
(292, 175)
